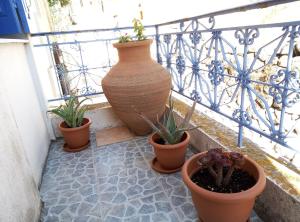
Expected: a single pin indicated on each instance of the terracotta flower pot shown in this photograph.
(223, 207)
(77, 138)
(137, 84)
(169, 158)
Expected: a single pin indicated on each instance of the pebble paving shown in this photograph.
(113, 183)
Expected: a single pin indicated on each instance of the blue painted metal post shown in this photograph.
(108, 55)
(287, 77)
(243, 75)
(51, 49)
(157, 44)
(83, 70)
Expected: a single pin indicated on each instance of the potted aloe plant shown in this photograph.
(136, 81)
(74, 127)
(223, 185)
(170, 140)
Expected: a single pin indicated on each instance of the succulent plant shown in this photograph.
(168, 129)
(215, 160)
(124, 38)
(72, 112)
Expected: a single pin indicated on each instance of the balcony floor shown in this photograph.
(112, 183)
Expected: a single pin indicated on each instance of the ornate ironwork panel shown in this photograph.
(248, 74)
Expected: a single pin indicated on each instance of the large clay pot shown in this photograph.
(76, 138)
(169, 157)
(223, 207)
(137, 84)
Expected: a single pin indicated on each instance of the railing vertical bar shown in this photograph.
(286, 80)
(157, 43)
(51, 50)
(83, 69)
(108, 55)
(243, 75)
(216, 59)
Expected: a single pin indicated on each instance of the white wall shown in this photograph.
(24, 139)
(40, 19)
(21, 85)
(18, 191)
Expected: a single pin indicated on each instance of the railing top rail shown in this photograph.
(86, 30)
(258, 5)
(262, 4)
(268, 25)
(271, 25)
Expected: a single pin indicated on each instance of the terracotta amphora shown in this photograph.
(137, 84)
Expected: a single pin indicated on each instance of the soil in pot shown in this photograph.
(240, 181)
(233, 207)
(161, 141)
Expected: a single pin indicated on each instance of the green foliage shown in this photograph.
(63, 3)
(138, 28)
(52, 2)
(124, 38)
(168, 130)
(72, 112)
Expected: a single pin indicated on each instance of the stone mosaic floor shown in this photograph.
(110, 184)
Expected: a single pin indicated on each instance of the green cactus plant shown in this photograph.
(72, 112)
(168, 129)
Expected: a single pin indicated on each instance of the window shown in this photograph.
(13, 18)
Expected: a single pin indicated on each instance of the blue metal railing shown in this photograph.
(217, 68)
(81, 58)
(248, 74)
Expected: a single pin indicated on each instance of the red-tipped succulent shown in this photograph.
(215, 160)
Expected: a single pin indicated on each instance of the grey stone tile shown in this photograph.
(171, 180)
(68, 187)
(181, 201)
(147, 152)
(50, 218)
(148, 208)
(84, 218)
(112, 183)
(112, 219)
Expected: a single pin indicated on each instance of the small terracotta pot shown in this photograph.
(223, 207)
(76, 138)
(171, 156)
